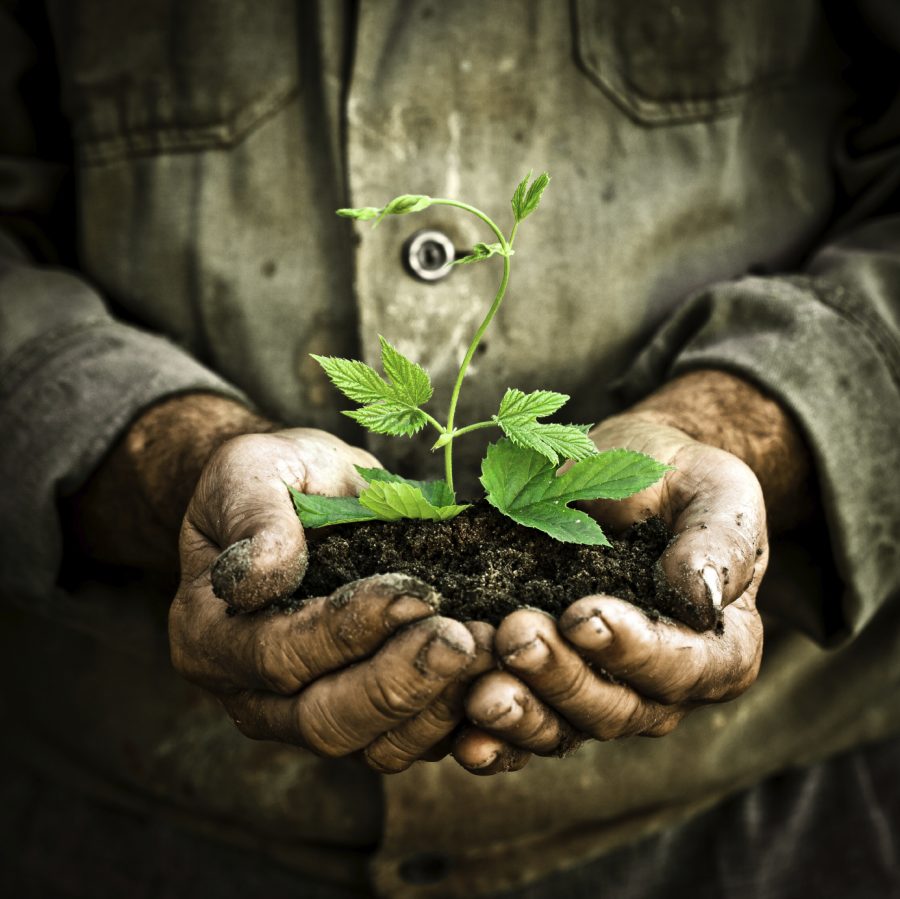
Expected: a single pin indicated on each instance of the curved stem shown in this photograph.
(495, 305)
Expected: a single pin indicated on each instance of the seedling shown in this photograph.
(519, 472)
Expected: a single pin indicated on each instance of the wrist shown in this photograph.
(728, 412)
(130, 510)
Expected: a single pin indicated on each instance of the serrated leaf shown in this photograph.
(361, 214)
(438, 493)
(410, 382)
(319, 511)
(355, 379)
(389, 417)
(554, 442)
(523, 485)
(537, 404)
(527, 197)
(518, 198)
(483, 251)
(393, 500)
(612, 474)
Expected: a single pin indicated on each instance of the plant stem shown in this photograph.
(476, 427)
(498, 299)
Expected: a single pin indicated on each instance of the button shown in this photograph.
(427, 255)
(425, 868)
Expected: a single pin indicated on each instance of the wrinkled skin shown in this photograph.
(371, 669)
(551, 693)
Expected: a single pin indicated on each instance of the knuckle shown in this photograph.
(569, 682)
(622, 717)
(279, 666)
(393, 698)
(319, 732)
(389, 754)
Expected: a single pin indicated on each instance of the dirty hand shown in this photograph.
(371, 667)
(606, 670)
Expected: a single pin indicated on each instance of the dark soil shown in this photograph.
(486, 566)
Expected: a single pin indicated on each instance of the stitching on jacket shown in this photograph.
(187, 138)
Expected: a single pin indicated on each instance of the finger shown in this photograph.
(397, 749)
(484, 754)
(501, 704)
(664, 660)
(345, 711)
(720, 530)
(531, 647)
(282, 652)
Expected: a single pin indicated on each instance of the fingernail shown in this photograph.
(230, 569)
(405, 609)
(531, 657)
(713, 586)
(502, 714)
(442, 658)
(487, 762)
(590, 633)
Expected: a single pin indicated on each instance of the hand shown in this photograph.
(371, 667)
(607, 670)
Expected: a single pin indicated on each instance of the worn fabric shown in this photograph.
(725, 194)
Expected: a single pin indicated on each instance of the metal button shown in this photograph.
(427, 255)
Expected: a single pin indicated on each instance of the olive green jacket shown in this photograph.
(725, 194)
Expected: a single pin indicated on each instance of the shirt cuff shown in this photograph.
(65, 398)
(832, 362)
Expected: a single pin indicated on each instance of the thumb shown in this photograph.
(266, 560)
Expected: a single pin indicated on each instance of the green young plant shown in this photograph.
(519, 472)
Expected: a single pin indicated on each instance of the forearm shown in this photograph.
(729, 412)
(130, 510)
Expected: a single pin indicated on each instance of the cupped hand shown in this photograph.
(606, 670)
(372, 668)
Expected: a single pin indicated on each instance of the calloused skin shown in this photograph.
(372, 669)
(553, 690)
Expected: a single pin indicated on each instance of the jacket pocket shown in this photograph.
(669, 61)
(161, 76)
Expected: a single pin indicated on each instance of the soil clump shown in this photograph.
(485, 566)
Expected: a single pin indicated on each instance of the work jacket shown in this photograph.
(724, 195)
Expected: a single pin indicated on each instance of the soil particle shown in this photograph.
(486, 566)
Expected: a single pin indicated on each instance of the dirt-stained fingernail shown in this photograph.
(232, 566)
(530, 657)
(713, 586)
(590, 633)
(503, 713)
(405, 609)
(442, 658)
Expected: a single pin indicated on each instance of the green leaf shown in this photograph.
(318, 511)
(527, 197)
(393, 500)
(410, 382)
(355, 379)
(518, 198)
(436, 492)
(612, 474)
(389, 417)
(517, 404)
(518, 418)
(484, 251)
(361, 214)
(553, 441)
(407, 203)
(523, 485)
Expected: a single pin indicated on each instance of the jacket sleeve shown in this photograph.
(825, 342)
(71, 377)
